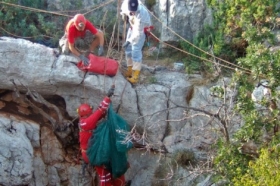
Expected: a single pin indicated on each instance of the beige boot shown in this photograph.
(135, 77)
(128, 73)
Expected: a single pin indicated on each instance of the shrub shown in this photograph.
(263, 171)
(32, 25)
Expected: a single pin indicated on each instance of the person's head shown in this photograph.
(132, 5)
(84, 110)
(80, 22)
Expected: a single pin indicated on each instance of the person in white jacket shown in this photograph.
(139, 19)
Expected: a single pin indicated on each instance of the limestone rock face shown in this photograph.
(185, 18)
(40, 92)
(16, 152)
(152, 105)
(36, 67)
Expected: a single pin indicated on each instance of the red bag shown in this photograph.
(100, 65)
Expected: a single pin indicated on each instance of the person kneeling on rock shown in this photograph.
(81, 35)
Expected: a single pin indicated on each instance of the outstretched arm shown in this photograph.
(91, 121)
(100, 37)
(74, 50)
(99, 113)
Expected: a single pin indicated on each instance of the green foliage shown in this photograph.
(39, 27)
(211, 40)
(217, 91)
(229, 162)
(245, 28)
(193, 63)
(150, 3)
(234, 22)
(263, 171)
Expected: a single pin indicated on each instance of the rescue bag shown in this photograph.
(100, 65)
(107, 146)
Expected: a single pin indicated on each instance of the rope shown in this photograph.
(124, 36)
(104, 4)
(85, 91)
(34, 9)
(22, 36)
(110, 43)
(196, 55)
(56, 12)
(107, 56)
(118, 18)
(114, 79)
(246, 70)
(49, 12)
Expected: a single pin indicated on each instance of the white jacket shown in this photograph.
(138, 22)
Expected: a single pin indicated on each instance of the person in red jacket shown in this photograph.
(79, 33)
(88, 122)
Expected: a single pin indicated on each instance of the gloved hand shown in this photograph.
(84, 60)
(124, 17)
(125, 45)
(111, 91)
(100, 50)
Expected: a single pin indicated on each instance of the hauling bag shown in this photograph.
(108, 145)
(100, 65)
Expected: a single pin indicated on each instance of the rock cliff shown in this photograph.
(40, 91)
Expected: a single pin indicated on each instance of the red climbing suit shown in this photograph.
(105, 178)
(87, 125)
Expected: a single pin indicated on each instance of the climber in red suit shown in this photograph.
(88, 122)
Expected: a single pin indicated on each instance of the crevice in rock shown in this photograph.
(49, 111)
(138, 107)
(167, 128)
(56, 54)
(167, 116)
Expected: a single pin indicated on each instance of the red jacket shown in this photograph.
(73, 33)
(87, 125)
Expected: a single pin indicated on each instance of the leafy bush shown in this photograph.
(263, 171)
(229, 162)
(237, 23)
(193, 63)
(243, 32)
(150, 3)
(32, 25)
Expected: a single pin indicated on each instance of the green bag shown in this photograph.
(99, 149)
(107, 145)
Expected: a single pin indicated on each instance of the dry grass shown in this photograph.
(165, 59)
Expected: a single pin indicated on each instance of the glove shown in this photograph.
(100, 50)
(111, 91)
(125, 18)
(125, 45)
(84, 60)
